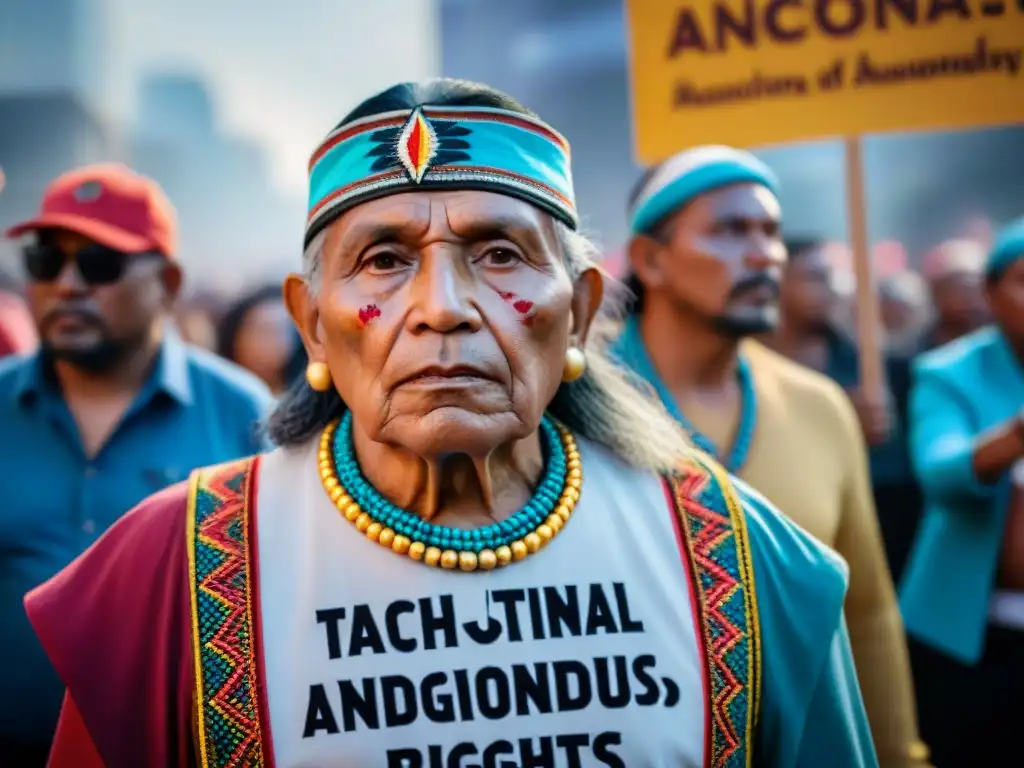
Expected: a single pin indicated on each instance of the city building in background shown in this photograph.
(50, 101)
(228, 206)
(52, 45)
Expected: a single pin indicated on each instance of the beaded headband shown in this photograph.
(440, 147)
(693, 172)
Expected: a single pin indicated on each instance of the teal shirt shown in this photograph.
(960, 390)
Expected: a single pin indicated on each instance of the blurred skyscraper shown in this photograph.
(51, 108)
(230, 213)
(175, 108)
(52, 45)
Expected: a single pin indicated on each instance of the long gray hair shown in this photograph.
(607, 405)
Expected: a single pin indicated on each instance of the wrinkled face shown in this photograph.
(444, 318)
(1006, 300)
(807, 295)
(721, 257)
(88, 323)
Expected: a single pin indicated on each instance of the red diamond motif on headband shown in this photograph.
(417, 145)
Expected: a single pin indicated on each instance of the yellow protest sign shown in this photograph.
(755, 72)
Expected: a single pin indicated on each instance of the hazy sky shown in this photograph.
(284, 72)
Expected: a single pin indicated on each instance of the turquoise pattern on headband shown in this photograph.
(440, 147)
(1007, 249)
(691, 173)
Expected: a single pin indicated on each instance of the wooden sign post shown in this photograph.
(869, 321)
(759, 72)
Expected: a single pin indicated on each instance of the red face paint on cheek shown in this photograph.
(368, 314)
(522, 306)
(525, 309)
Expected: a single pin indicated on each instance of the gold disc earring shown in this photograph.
(318, 376)
(575, 364)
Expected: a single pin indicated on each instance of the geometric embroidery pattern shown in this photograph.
(229, 720)
(429, 146)
(228, 716)
(715, 530)
(419, 144)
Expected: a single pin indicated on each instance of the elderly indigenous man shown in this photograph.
(706, 257)
(465, 551)
(963, 591)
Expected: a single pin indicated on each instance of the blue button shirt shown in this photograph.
(55, 501)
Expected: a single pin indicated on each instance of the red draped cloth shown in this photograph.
(116, 626)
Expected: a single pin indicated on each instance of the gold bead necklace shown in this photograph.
(449, 559)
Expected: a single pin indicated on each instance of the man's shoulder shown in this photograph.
(111, 585)
(780, 548)
(769, 363)
(142, 540)
(966, 352)
(814, 392)
(224, 377)
(19, 375)
(13, 368)
(142, 549)
(784, 552)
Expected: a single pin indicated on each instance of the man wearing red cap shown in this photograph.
(113, 407)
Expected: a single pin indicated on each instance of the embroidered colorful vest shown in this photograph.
(231, 726)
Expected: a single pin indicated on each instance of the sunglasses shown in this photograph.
(97, 264)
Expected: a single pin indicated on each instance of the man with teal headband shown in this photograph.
(477, 544)
(962, 593)
(706, 258)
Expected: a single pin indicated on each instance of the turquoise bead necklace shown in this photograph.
(737, 457)
(406, 533)
(409, 524)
